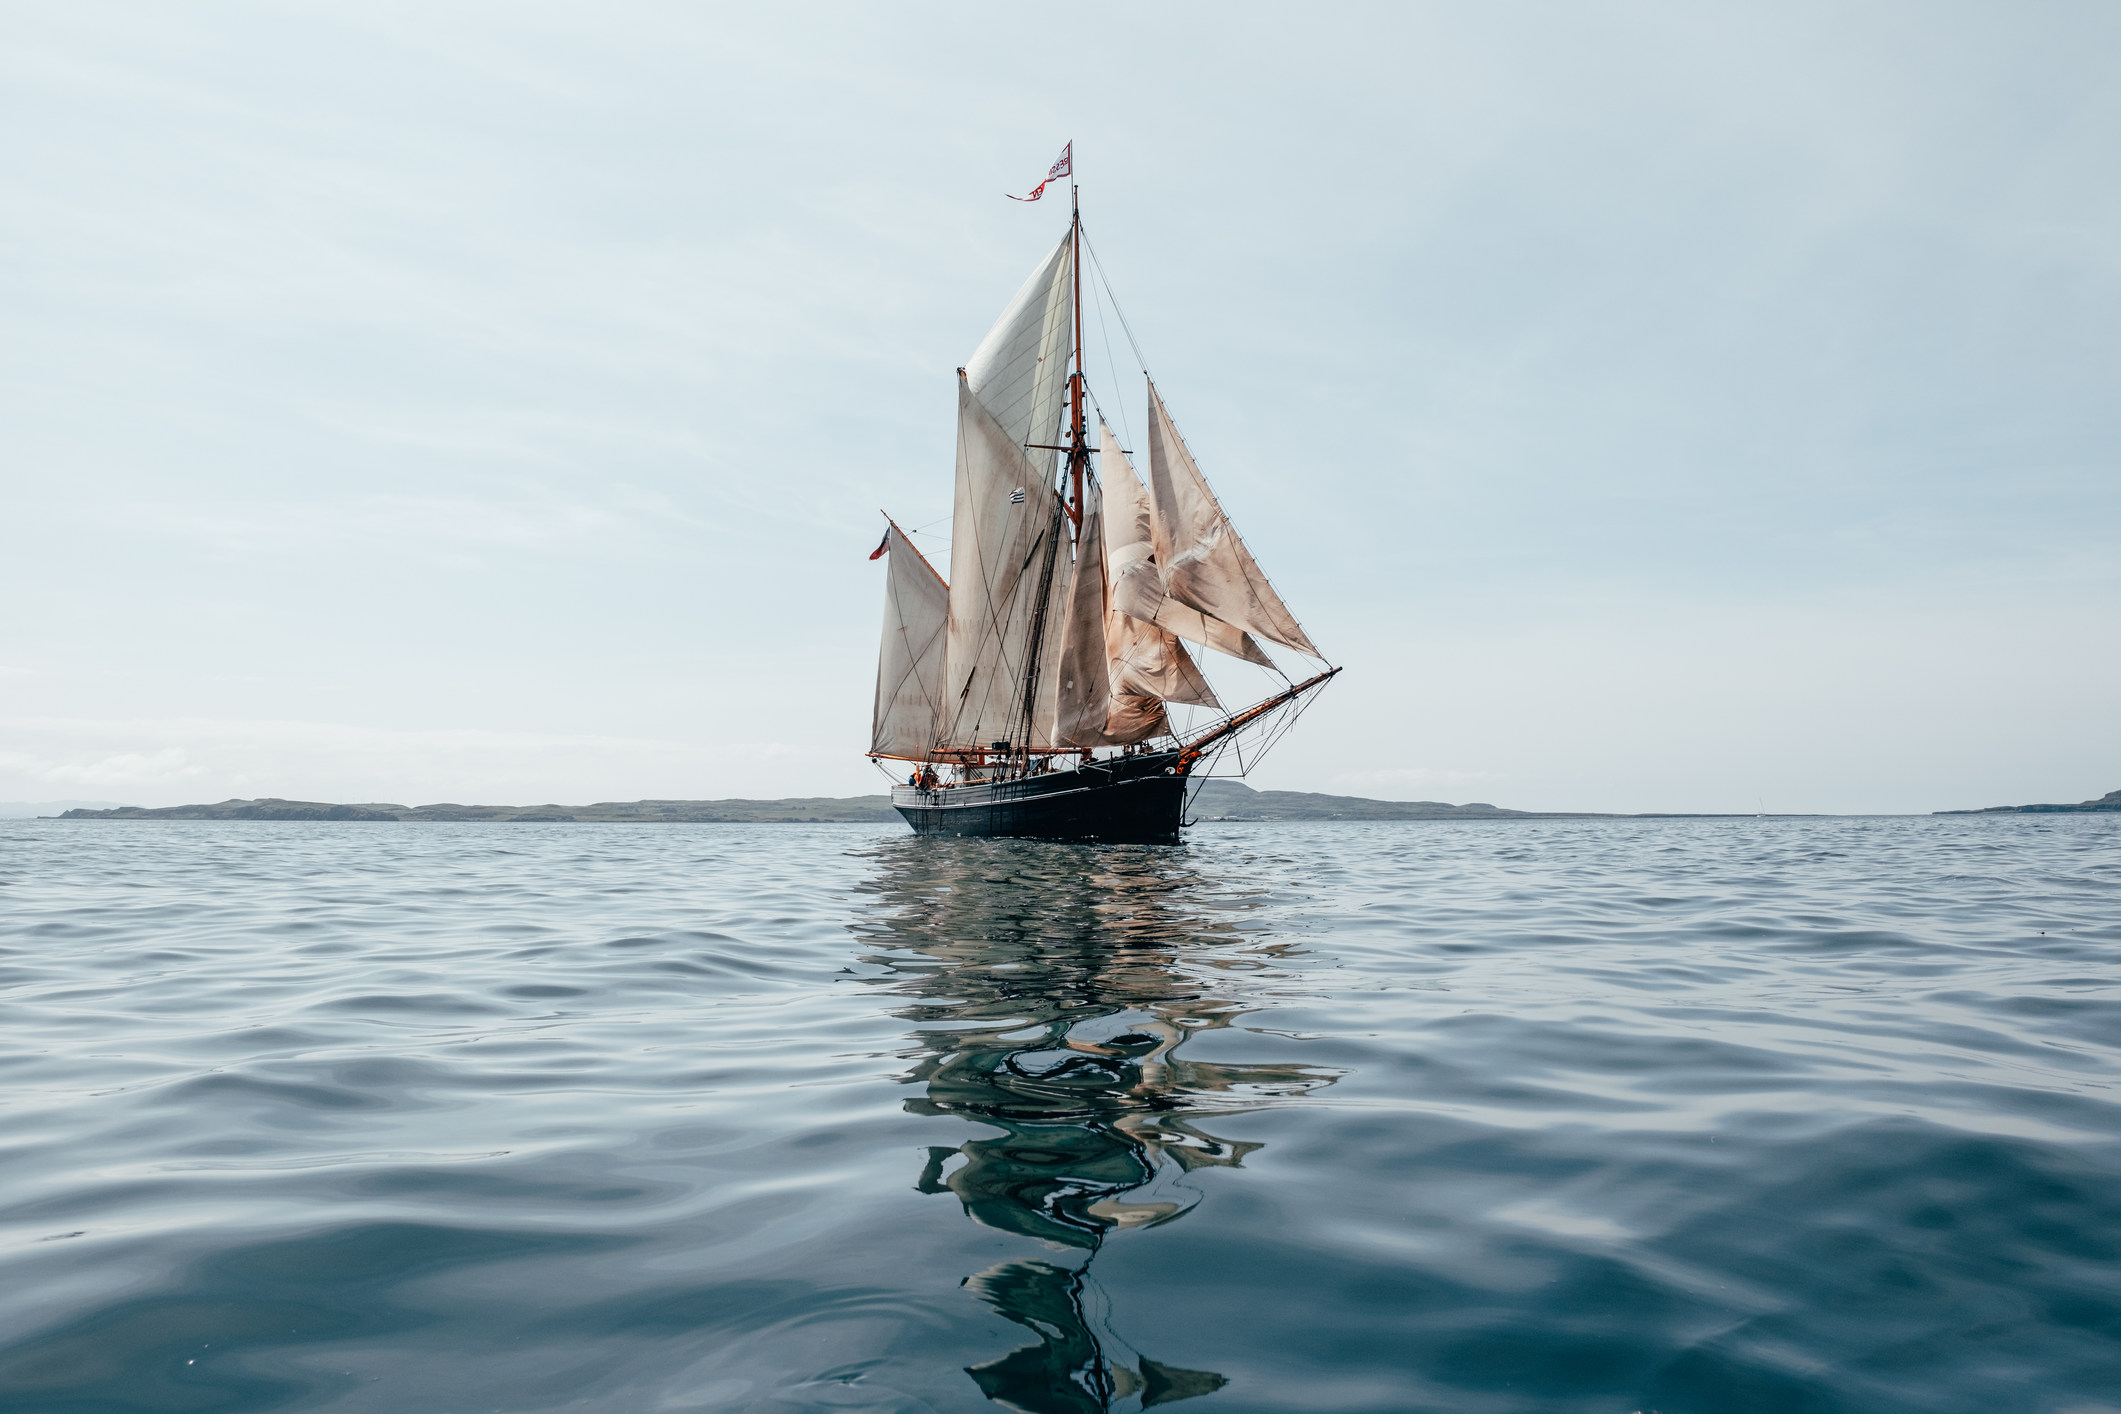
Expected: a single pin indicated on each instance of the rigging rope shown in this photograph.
(1126, 430)
(1105, 281)
(1125, 327)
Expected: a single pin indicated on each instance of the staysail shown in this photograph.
(1137, 584)
(1203, 563)
(1150, 662)
(1004, 539)
(909, 666)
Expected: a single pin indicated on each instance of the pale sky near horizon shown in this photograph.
(1653, 406)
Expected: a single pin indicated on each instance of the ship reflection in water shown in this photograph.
(1054, 988)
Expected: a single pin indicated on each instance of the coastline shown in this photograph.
(1218, 801)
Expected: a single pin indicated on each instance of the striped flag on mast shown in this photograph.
(1064, 166)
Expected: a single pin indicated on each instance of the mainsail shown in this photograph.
(909, 666)
(1004, 539)
(1203, 563)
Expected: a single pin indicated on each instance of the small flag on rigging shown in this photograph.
(881, 547)
(1016, 497)
(1064, 166)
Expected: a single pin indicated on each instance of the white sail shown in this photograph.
(909, 666)
(1137, 583)
(1020, 371)
(1004, 527)
(1204, 564)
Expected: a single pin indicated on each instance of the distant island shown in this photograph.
(2110, 801)
(1217, 800)
(801, 810)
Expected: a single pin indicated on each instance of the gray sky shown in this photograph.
(1653, 406)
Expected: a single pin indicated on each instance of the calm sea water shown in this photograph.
(1715, 1116)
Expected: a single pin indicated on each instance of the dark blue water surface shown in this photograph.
(1688, 1116)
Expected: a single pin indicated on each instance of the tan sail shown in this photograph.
(1005, 523)
(1204, 564)
(1082, 674)
(909, 666)
(1137, 583)
(1131, 538)
(1020, 371)
(1135, 717)
(1151, 662)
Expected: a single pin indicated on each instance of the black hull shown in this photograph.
(1135, 799)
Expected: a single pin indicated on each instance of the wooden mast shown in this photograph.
(1078, 451)
(1078, 461)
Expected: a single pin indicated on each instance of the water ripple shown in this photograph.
(1687, 1116)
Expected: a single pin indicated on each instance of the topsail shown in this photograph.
(1019, 373)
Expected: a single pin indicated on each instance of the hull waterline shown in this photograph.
(1132, 799)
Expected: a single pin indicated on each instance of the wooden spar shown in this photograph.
(1194, 748)
(914, 548)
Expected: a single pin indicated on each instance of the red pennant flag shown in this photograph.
(882, 546)
(1064, 167)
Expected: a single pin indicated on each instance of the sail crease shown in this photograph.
(1204, 564)
(1019, 373)
(1003, 513)
(1137, 582)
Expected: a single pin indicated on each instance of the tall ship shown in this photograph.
(1047, 687)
